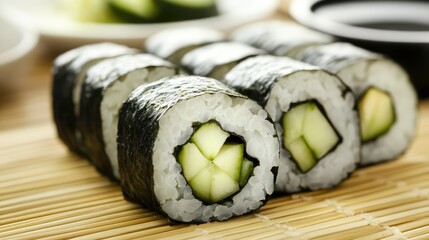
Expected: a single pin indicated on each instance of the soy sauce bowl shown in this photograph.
(398, 29)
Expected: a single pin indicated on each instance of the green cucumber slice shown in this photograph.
(302, 155)
(179, 10)
(213, 167)
(246, 171)
(223, 185)
(192, 161)
(192, 3)
(376, 113)
(209, 139)
(229, 160)
(202, 183)
(318, 132)
(134, 10)
(293, 120)
(91, 11)
(307, 134)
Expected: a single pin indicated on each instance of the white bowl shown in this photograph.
(60, 32)
(17, 42)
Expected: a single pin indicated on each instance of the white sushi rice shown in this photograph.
(389, 77)
(237, 115)
(112, 101)
(336, 165)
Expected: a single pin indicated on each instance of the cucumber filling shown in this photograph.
(214, 167)
(308, 135)
(376, 114)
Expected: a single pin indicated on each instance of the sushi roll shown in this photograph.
(195, 150)
(215, 60)
(173, 44)
(107, 85)
(68, 75)
(315, 116)
(387, 101)
(280, 38)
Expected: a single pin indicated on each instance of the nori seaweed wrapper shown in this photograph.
(280, 38)
(139, 125)
(65, 69)
(336, 56)
(256, 76)
(206, 60)
(98, 79)
(172, 44)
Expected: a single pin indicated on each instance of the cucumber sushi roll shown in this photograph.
(315, 116)
(173, 44)
(195, 150)
(280, 38)
(176, 10)
(68, 75)
(387, 101)
(107, 85)
(215, 60)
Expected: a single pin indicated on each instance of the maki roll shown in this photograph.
(173, 44)
(215, 60)
(280, 38)
(315, 116)
(195, 150)
(106, 87)
(68, 75)
(387, 101)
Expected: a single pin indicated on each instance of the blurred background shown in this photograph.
(33, 31)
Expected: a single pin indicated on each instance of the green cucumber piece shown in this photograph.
(229, 159)
(308, 134)
(302, 155)
(246, 171)
(213, 167)
(134, 10)
(178, 10)
(201, 184)
(209, 139)
(191, 3)
(192, 161)
(91, 11)
(212, 185)
(318, 132)
(376, 113)
(292, 123)
(223, 185)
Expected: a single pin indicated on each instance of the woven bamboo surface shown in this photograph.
(47, 192)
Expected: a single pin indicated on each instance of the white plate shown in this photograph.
(63, 32)
(17, 42)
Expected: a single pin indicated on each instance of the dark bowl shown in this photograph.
(398, 29)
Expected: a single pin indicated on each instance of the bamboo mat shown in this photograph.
(47, 192)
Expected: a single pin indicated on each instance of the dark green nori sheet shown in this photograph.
(65, 69)
(98, 79)
(255, 77)
(139, 125)
(202, 61)
(278, 37)
(335, 56)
